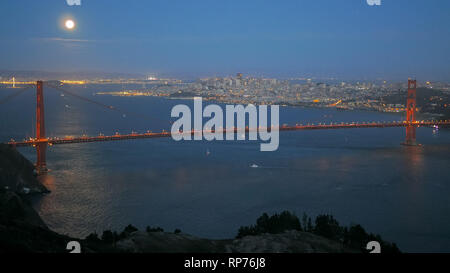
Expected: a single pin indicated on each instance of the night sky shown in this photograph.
(281, 38)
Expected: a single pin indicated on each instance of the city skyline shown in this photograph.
(342, 39)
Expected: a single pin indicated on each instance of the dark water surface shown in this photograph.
(209, 189)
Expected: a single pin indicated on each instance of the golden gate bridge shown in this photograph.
(41, 142)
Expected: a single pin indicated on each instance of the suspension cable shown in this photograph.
(109, 107)
(83, 98)
(15, 94)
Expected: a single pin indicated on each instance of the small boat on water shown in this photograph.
(254, 166)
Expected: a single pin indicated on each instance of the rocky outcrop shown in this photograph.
(21, 227)
(22, 230)
(18, 174)
(16, 211)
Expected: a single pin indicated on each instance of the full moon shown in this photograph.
(70, 24)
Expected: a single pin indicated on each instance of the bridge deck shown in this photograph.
(70, 140)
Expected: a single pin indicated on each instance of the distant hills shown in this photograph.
(86, 75)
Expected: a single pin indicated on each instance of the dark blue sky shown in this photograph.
(343, 38)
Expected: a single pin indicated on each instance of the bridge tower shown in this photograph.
(41, 148)
(411, 113)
